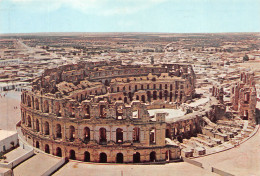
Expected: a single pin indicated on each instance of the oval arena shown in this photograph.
(109, 112)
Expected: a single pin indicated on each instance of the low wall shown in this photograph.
(54, 167)
(220, 172)
(193, 162)
(18, 160)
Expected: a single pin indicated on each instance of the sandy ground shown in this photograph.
(9, 115)
(173, 169)
(240, 161)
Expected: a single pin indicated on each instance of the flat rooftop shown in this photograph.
(36, 165)
(5, 134)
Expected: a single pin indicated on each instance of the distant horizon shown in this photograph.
(148, 16)
(33, 33)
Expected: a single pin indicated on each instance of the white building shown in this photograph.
(8, 139)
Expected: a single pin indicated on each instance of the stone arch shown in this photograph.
(86, 135)
(143, 98)
(47, 148)
(58, 152)
(119, 158)
(166, 94)
(119, 135)
(46, 128)
(148, 96)
(136, 134)
(72, 155)
(160, 94)
(155, 95)
(37, 125)
(168, 155)
(152, 134)
(72, 132)
(86, 156)
(37, 144)
(29, 121)
(136, 157)
(57, 109)
(58, 131)
(29, 101)
(102, 157)
(37, 104)
(87, 112)
(102, 135)
(46, 106)
(125, 100)
(153, 156)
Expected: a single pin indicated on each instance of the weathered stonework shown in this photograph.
(98, 112)
(243, 97)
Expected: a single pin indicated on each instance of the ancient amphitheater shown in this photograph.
(109, 112)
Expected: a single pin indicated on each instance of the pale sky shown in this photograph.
(174, 16)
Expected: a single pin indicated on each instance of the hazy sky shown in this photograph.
(177, 16)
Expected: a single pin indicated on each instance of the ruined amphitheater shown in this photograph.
(109, 112)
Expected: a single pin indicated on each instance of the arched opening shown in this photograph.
(47, 148)
(87, 112)
(86, 137)
(130, 96)
(57, 109)
(165, 95)
(37, 125)
(170, 96)
(29, 121)
(167, 133)
(119, 135)
(37, 145)
(168, 155)
(149, 96)
(136, 134)
(102, 158)
(102, 136)
(46, 128)
(136, 157)
(87, 156)
(125, 100)
(102, 111)
(154, 95)
(58, 152)
(152, 156)
(171, 87)
(152, 136)
(160, 86)
(72, 133)
(119, 158)
(143, 98)
(29, 103)
(72, 155)
(36, 104)
(58, 131)
(46, 106)
(135, 87)
(137, 97)
(160, 95)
